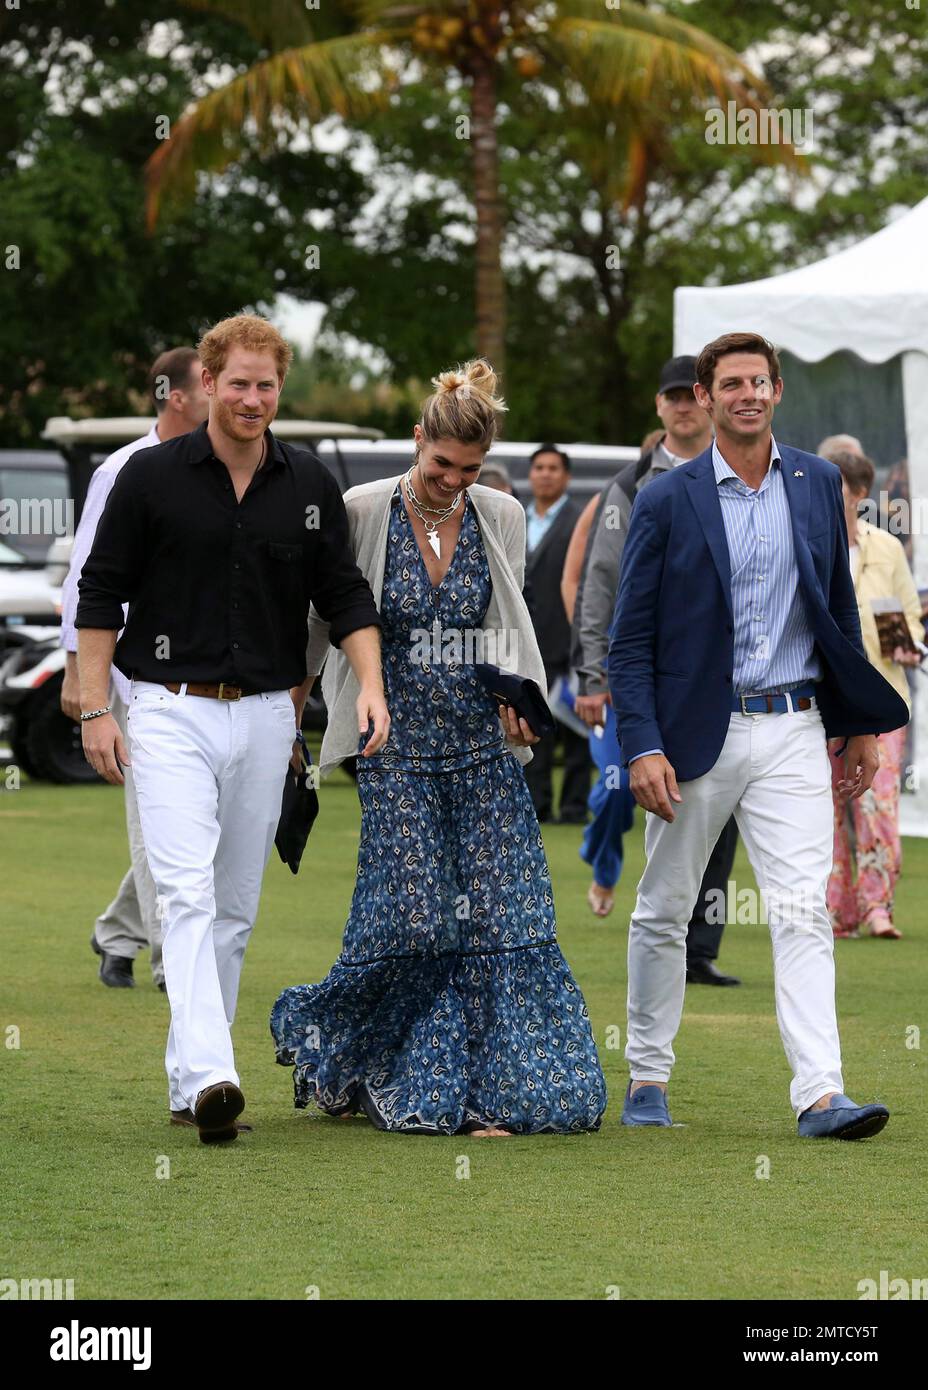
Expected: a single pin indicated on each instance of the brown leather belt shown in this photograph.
(222, 691)
(803, 702)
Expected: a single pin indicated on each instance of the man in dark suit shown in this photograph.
(550, 520)
(735, 650)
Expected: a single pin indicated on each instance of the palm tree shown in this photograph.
(630, 63)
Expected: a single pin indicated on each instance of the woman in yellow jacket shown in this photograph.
(880, 571)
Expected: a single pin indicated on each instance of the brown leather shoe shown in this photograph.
(216, 1111)
(186, 1117)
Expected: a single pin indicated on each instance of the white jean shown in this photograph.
(209, 777)
(773, 774)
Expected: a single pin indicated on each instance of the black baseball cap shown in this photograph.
(678, 374)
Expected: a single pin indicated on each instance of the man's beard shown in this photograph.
(241, 431)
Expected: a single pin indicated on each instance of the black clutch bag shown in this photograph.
(298, 810)
(520, 692)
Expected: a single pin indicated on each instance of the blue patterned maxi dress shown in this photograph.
(450, 1006)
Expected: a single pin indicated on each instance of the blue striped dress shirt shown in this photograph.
(774, 646)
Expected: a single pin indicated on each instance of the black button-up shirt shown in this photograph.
(219, 590)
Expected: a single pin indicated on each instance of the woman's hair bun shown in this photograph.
(464, 405)
(477, 374)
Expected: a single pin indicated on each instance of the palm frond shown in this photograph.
(315, 81)
(631, 57)
(281, 24)
(616, 64)
(588, 26)
(404, 12)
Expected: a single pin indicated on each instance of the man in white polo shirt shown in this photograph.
(131, 923)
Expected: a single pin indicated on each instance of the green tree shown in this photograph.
(628, 61)
(94, 298)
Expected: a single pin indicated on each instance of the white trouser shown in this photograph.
(132, 921)
(209, 776)
(773, 773)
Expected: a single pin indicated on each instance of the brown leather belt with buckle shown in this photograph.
(222, 691)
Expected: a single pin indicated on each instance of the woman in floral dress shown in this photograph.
(451, 1008)
(881, 571)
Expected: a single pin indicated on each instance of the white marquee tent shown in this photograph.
(868, 302)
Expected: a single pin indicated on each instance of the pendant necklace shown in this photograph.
(420, 509)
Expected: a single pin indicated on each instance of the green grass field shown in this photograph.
(308, 1202)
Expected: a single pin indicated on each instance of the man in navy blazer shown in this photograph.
(735, 651)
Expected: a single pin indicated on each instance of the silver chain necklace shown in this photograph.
(420, 509)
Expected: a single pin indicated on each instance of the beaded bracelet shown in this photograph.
(95, 713)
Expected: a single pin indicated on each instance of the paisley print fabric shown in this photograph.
(441, 715)
(451, 1006)
(869, 902)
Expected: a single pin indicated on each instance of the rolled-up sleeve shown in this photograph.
(113, 570)
(341, 596)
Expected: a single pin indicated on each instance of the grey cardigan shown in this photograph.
(507, 624)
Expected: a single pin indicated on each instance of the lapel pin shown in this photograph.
(799, 473)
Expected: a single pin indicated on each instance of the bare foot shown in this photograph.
(601, 900)
(490, 1134)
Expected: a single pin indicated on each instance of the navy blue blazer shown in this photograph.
(671, 647)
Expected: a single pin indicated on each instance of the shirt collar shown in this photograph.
(724, 472)
(197, 447)
(552, 511)
(663, 458)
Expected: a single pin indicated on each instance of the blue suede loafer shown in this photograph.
(648, 1106)
(843, 1120)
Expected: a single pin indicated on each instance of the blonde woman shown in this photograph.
(880, 571)
(450, 1009)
